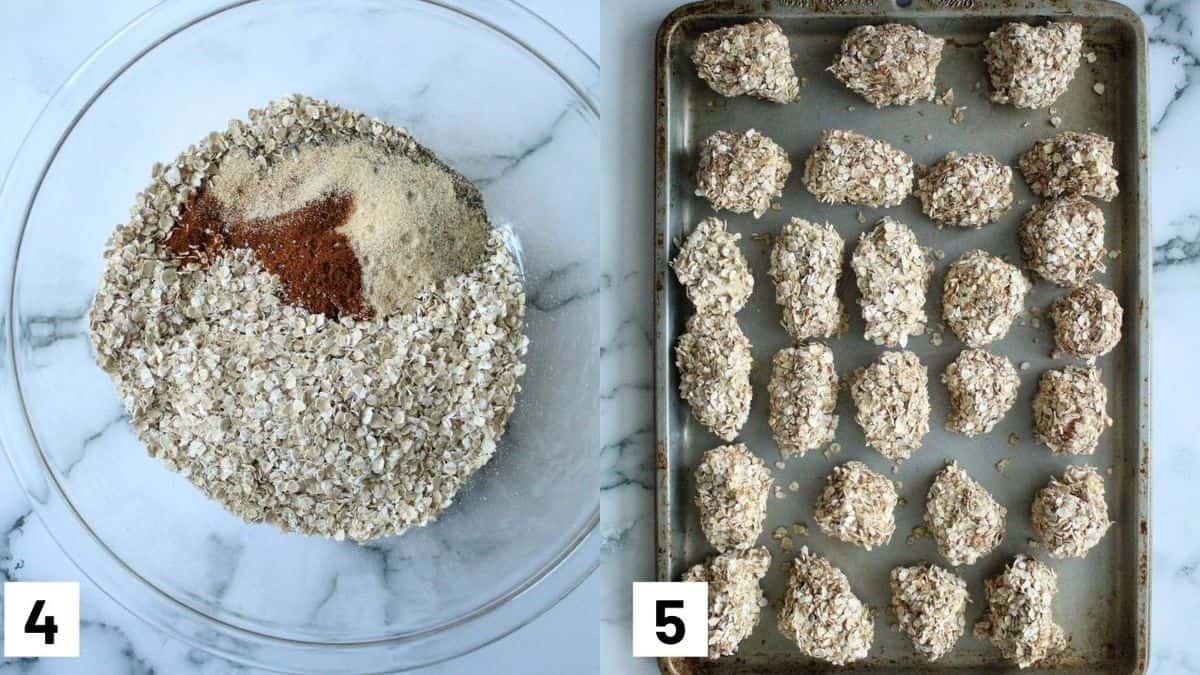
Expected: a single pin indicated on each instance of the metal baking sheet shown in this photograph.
(1103, 600)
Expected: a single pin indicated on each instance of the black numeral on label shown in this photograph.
(48, 628)
(663, 620)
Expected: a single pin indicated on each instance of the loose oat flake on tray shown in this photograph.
(264, 346)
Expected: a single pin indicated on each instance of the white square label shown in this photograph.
(41, 618)
(670, 618)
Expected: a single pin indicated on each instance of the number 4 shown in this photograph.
(49, 628)
(661, 619)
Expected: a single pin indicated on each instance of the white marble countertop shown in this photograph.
(627, 473)
(41, 43)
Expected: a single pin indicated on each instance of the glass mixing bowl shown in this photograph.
(500, 95)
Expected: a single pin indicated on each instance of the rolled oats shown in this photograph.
(891, 64)
(857, 506)
(735, 598)
(891, 400)
(892, 273)
(806, 263)
(981, 295)
(1062, 240)
(1071, 163)
(803, 395)
(962, 517)
(1087, 321)
(751, 58)
(845, 167)
(713, 269)
(983, 387)
(732, 486)
(821, 614)
(1069, 514)
(741, 173)
(1030, 67)
(713, 357)
(965, 190)
(1019, 615)
(1068, 410)
(930, 604)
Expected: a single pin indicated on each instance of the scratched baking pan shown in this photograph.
(1103, 600)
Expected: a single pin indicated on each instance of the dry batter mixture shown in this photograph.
(309, 316)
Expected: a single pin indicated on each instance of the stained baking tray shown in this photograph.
(1103, 600)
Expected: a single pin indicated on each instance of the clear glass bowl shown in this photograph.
(500, 95)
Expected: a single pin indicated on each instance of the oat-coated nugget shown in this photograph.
(741, 173)
(713, 357)
(893, 274)
(751, 58)
(845, 167)
(732, 486)
(806, 263)
(735, 598)
(891, 64)
(891, 400)
(803, 395)
(713, 269)
(1030, 67)
(821, 614)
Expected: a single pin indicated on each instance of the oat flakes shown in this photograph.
(1068, 410)
(821, 614)
(1062, 240)
(1071, 163)
(713, 269)
(735, 598)
(1087, 321)
(732, 487)
(1019, 615)
(806, 263)
(845, 167)
(857, 506)
(891, 64)
(891, 400)
(965, 190)
(355, 428)
(930, 604)
(981, 295)
(713, 357)
(751, 58)
(962, 517)
(983, 387)
(803, 395)
(741, 173)
(1069, 514)
(1030, 67)
(892, 273)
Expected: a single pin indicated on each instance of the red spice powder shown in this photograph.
(314, 262)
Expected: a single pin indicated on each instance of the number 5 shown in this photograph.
(661, 619)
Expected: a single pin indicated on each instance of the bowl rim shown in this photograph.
(483, 625)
